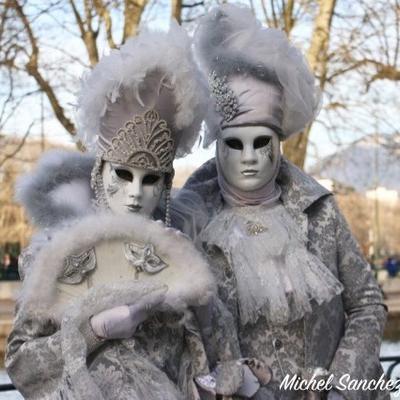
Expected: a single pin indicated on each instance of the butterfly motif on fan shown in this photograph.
(143, 258)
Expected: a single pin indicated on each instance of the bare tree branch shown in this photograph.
(193, 5)
(88, 34)
(8, 98)
(397, 27)
(3, 21)
(362, 49)
(383, 71)
(18, 148)
(274, 17)
(288, 16)
(264, 9)
(32, 68)
(106, 17)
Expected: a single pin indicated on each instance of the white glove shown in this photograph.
(250, 384)
(230, 378)
(121, 322)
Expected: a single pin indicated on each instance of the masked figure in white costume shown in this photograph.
(105, 286)
(287, 266)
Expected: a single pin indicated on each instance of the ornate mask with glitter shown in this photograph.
(226, 103)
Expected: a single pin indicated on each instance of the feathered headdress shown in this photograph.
(240, 55)
(148, 92)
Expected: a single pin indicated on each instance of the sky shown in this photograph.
(56, 44)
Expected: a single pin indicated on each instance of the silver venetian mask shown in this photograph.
(248, 156)
(131, 189)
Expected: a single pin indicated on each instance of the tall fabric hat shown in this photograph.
(256, 76)
(143, 104)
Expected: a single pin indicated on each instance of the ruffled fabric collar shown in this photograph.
(277, 277)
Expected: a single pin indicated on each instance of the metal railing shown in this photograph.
(6, 387)
(394, 362)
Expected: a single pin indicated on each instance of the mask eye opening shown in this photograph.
(150, 179)
(234, 143)
(261, 142)
(124, 174)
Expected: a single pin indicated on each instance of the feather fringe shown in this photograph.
(128, 66)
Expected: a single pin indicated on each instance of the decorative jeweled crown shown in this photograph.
(226, 103)
(144, 142)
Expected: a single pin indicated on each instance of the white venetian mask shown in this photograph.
(132, 189)
(248, 156)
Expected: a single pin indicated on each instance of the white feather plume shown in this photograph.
(229, 39)
(128, 66)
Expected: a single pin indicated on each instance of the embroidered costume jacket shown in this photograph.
(342, 336)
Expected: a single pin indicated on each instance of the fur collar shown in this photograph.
(58, 188)
(299, 190)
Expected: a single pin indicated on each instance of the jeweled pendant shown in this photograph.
(255, 228)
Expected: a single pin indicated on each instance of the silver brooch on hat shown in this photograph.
(226, 102)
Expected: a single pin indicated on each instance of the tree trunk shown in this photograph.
(176, 10)
(295, 148)
(105, 15)
(132, 14)
(288, 17)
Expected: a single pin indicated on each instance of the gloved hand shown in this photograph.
(241, 378)
(261, 371)
(121, 322)
(250, 384)
(335, 395)
(225, 380)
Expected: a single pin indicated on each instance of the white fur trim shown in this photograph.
(76, 193)
(192, 282)
(38, 192)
